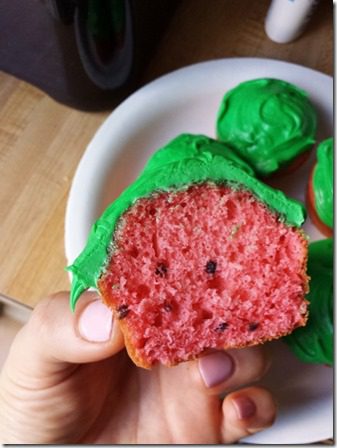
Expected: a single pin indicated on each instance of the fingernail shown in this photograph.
(95, 322)
(216, 368)
(245, 407)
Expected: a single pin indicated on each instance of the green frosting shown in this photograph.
(314, 342)
(268, 122)
(323, 182)
(188, 159)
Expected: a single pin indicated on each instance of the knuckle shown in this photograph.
(44, 312)
(260, 364)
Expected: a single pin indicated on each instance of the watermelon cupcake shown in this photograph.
(314, 343)
(270, 123)
(320, 189)
(197, 254)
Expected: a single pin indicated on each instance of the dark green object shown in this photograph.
(106, 18)
(314, 342)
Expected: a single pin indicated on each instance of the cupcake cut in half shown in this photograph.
(197, 254)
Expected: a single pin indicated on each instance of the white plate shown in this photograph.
(187, 100)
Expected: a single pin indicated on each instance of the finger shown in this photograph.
(246, 412)
(221, 371)
(54, 336)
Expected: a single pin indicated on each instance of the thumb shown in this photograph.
(54, 337)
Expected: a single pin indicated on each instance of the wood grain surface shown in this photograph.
(42, 141)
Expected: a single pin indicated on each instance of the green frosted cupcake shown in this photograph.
(268, 122)
(197, 254)
(320, 189)
(187, 159)
(314, 342)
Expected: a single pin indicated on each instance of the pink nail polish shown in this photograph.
(245, 407)
(216, 368)
(95, 322)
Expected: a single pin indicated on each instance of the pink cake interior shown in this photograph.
(206, 267)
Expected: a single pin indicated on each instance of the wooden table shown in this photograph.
(41, 141)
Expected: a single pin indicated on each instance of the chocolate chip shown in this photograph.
(167, 306)
(161, 269)
(253, 326)
(210, 267)
(222, 327)
(122, 311)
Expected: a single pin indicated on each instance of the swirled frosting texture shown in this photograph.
(314, 343)
(323, 182)
(188, 159)
(268, 122)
